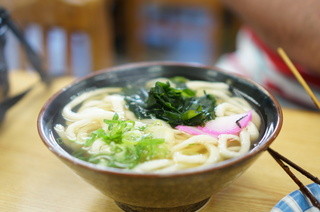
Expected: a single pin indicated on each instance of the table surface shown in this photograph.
(33, 179)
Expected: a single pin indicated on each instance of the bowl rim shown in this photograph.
(62, 154)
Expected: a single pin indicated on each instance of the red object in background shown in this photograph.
(281, 65)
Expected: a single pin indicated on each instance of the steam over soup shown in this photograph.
(167, 125)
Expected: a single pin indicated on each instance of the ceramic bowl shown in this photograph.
(186, 190)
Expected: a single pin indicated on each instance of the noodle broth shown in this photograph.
(100, 126)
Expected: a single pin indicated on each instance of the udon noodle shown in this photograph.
(87, 112)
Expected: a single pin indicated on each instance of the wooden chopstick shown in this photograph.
(295, 166)
(296, 73)
(280, 160)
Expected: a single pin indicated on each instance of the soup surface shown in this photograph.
(162, 126)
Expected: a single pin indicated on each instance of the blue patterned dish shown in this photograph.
(296, 201)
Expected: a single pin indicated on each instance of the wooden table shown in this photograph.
(33, 179)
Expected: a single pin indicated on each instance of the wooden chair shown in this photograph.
(136, 49)
(91, 18)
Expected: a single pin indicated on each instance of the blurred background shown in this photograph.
(75, 37)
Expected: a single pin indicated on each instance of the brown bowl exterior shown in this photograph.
(162, 190)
